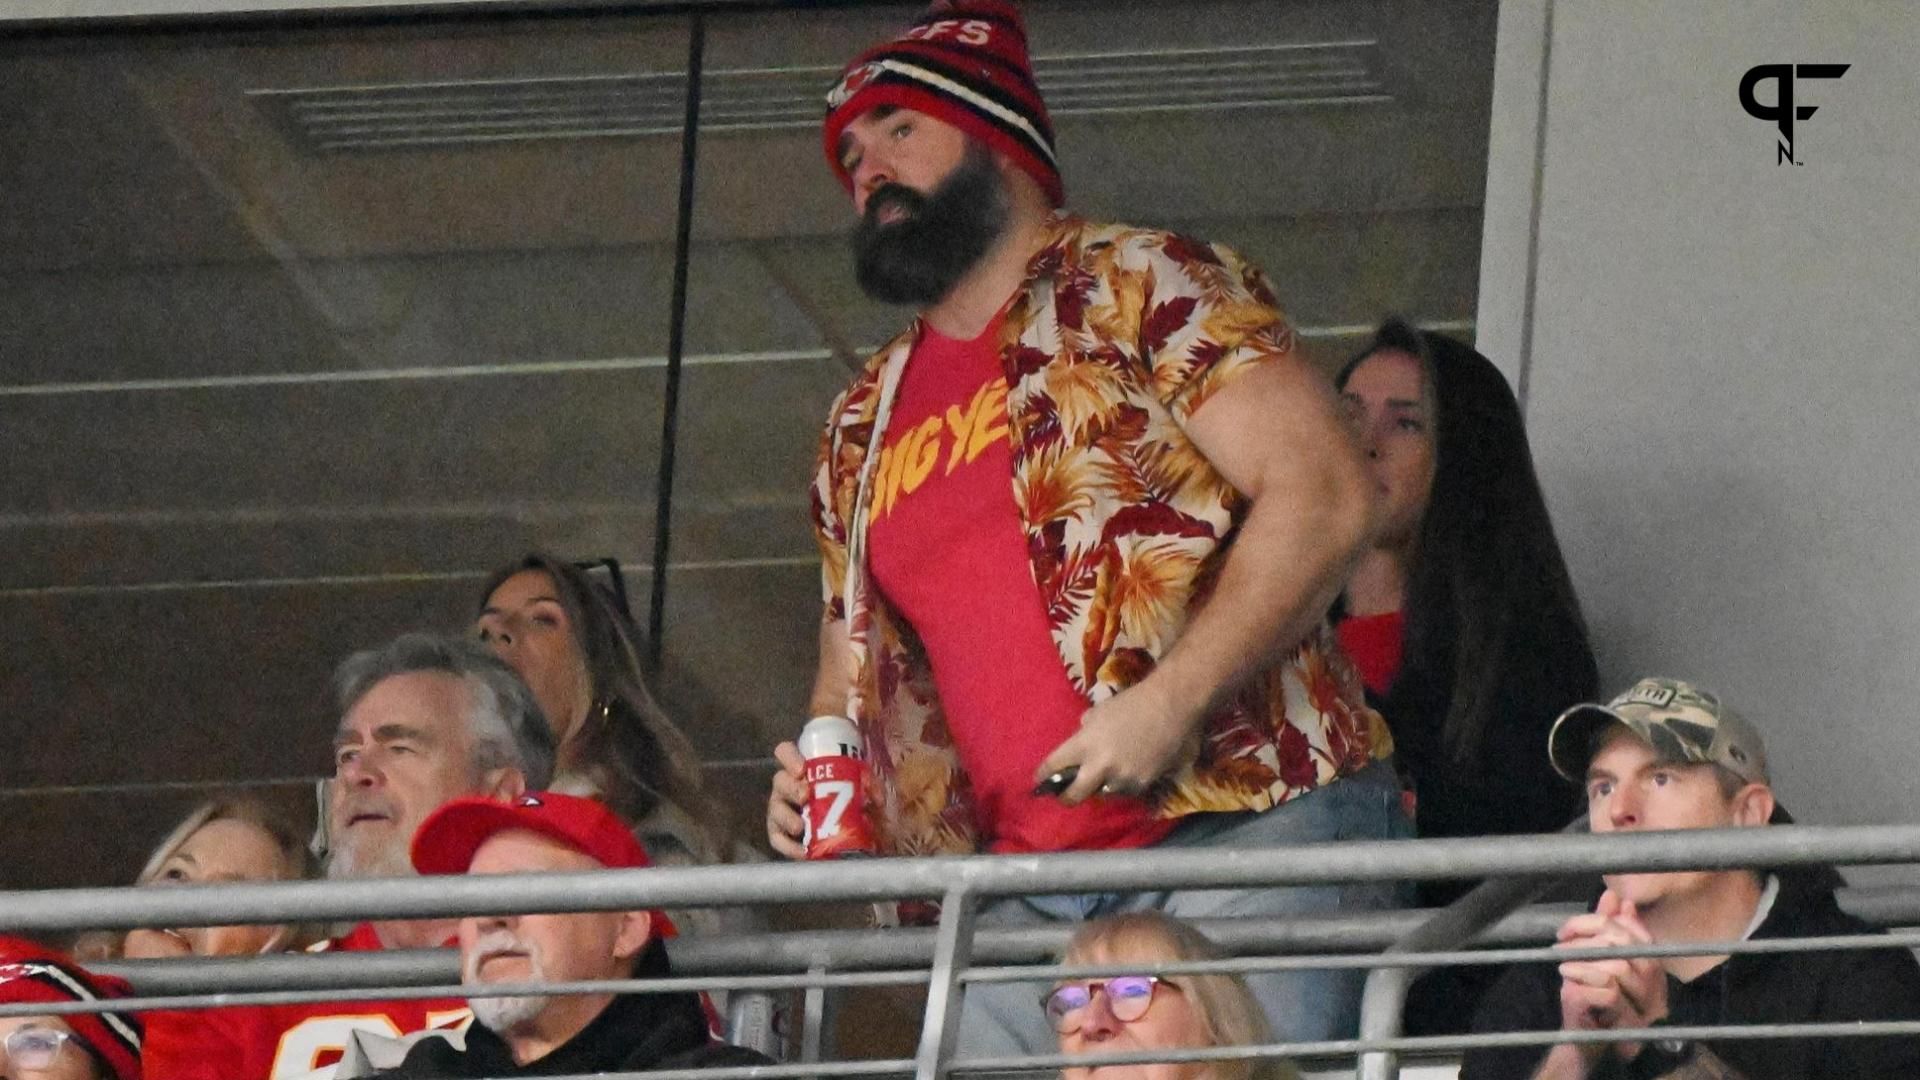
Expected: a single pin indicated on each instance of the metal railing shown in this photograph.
(954, 954)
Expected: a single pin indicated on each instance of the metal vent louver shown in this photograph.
(341, 119)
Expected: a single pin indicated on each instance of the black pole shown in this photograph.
(676, 342)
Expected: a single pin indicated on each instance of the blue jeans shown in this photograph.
(1004, 1019)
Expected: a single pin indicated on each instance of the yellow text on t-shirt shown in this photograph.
(959, 436)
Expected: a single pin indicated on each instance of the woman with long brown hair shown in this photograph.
(577, 649)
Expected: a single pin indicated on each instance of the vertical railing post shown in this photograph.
(676, 346)
(952, 955)
(816, 1031)
(1383, 1002)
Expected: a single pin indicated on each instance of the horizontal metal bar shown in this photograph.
(1039, 973)
(795, 1071)
(885, 879)
(875, 1067)
(459, 990)
(1441, 1044)
(795, 951)
(849, 950)
(1451, 958)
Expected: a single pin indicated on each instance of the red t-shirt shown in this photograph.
(272, 1042)
(1374, 643)
(947, 549)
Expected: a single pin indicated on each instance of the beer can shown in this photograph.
(837, 825)
(758, 1020)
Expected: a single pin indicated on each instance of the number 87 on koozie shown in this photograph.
(836, 816)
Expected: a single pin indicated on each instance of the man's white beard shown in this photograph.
(503, 1014)
(349, 861)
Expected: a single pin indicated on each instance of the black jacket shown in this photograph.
(1750, 988)
(637, 1031)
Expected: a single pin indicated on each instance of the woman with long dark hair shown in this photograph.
(1461, 617)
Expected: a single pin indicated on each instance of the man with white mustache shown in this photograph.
(424, 719)
(558, 1034)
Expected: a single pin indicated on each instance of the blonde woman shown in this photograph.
(227, 838)
(1138, 1012)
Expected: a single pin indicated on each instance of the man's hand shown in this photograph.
(1124, 744)
(787, 802)
(1605, 994)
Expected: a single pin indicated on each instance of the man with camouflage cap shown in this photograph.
(1668, 755)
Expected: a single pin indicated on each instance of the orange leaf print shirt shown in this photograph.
(1117, 336)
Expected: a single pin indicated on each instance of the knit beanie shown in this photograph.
(31, 974)
(964, 62)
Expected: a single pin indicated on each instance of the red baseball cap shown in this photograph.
(32, 973)
(450, 836)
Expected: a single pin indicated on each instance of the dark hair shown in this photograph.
(508, 727)
(1492, 622)
(626, 748)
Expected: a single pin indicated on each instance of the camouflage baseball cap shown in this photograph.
(1683, 723)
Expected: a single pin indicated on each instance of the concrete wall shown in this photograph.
(1721, 356)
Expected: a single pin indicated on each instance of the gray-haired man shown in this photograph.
(424, 719)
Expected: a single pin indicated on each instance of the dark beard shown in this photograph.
(920, 258)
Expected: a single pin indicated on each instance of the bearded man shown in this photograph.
(1024, 505)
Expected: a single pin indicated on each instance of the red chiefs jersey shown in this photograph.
(277, 1042)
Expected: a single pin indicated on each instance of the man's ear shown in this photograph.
(636, 929)
(1753, 805)
(504, 784)
(1020, 183)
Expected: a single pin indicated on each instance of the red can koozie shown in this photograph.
(837, 825)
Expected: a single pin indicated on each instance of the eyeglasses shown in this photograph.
(1128, 998)
(35, 1048)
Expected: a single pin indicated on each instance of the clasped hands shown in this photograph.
(1599, 995)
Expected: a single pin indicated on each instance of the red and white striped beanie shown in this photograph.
(964, 62)
(32, 974)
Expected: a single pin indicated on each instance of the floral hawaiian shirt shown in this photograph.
(1117, 337)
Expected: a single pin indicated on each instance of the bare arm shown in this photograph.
(833, 679)
(1276, 434)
